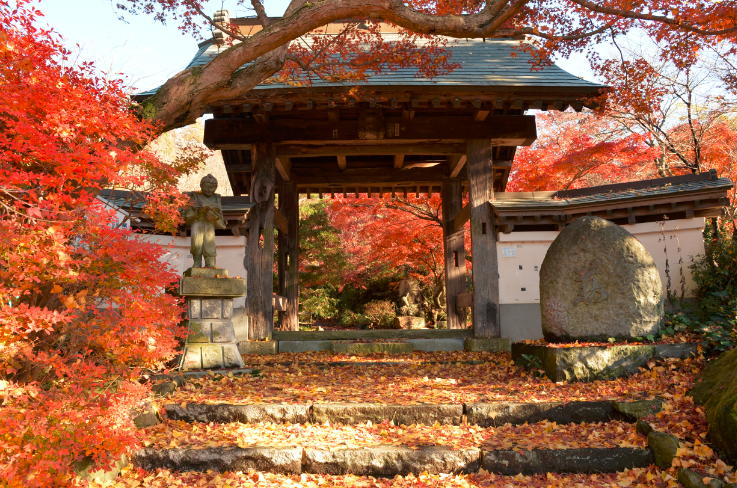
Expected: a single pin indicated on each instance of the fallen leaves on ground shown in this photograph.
(677, 338)
(162, 478)
(497, 380)
(329, 356)
(542, 435)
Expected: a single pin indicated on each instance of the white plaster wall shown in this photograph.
(521, 254)
(230, 253)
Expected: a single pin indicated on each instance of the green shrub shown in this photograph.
(380, 313)
(318, 302)
(715, 275)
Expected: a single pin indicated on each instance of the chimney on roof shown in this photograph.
(221, 18)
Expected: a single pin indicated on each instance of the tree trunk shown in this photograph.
(486, 316)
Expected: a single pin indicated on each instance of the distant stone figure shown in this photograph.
(204, 214)
(410, 298)
(438, 294)
(598, 281)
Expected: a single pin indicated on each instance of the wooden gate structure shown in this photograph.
(399, 134)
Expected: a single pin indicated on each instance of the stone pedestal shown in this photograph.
(209, 297)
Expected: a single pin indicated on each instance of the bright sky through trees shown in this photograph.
(149, 53)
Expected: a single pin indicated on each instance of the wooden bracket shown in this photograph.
(463, 216)
(456, 163)
(284, 166)
(398, 161)
(280, 221)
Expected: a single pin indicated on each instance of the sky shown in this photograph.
(146, 52)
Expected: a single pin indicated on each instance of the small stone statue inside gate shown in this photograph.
(204, 214)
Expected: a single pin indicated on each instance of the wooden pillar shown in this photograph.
(288, 253)
(455, 253)
(259, 259)
(485, 270)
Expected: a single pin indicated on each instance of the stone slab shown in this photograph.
(347, 335)
(389, 461)
(282, 461)
(488, 345)
(225, 413)
(408, 323)
(359, 413)
(585, 460)
(222, 331)
(494, 414)
(258, 347)
(212, 287)
(211, 356)
(597, 362)
(305, 346)
(373, 347)
(456, 344)
(206, 272)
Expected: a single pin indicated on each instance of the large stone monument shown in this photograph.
(598, 281)
(208, 291)
(410, 306)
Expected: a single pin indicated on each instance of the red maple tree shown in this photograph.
(83, 306)
(578, 150)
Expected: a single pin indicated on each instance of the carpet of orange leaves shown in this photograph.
(497, 380)
(542, 435)
(651, 477)
(328, 357)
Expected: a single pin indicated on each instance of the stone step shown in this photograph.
(484, 414)
(343, 335)
(389, 461)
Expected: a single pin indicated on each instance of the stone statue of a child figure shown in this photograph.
(204, 214)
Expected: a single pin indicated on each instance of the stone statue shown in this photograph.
(204, 214)
(438, 294)
(410, 298)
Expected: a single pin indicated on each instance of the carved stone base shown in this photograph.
(211, 343)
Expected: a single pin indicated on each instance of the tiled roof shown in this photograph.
(482, 63)
(559, 201)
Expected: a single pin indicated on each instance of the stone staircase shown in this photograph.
(209, 437)
(392, 460)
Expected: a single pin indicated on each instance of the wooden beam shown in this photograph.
(280, 221)
(509, 130)
(456, 164)
(454, 254)
(283, 165)
(342, 163)
(386, 147)
(486, 315)
(288, 257)
(464, 301)
(463, 216)
(314, 177)
(398, 161)
(260, 246)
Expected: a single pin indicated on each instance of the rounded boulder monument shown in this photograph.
(598, 281)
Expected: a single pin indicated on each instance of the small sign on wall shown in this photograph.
(509, 252)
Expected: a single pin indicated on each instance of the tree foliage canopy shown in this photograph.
(551, 27)
(83, 306)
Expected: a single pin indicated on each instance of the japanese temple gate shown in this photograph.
(400, 134)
